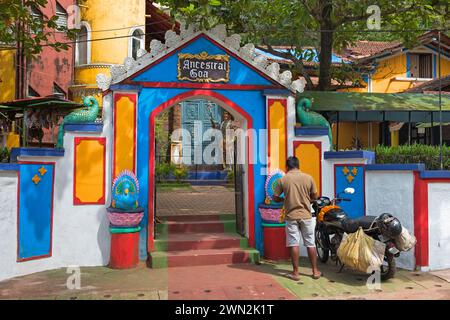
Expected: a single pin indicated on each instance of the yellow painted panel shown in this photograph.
(277, 132)
(89, 183)
(7, 75)
(125, 130)
(310, 158)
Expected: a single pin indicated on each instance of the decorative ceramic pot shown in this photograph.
(128, 218)
(271, 213)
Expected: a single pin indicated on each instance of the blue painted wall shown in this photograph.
(35, 211)
(355, 207)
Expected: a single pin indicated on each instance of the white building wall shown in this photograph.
(8, 218)
(439, 225)
(80, 233)
(393, 192)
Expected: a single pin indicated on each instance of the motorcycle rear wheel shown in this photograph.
(388, 268)
(321, 250)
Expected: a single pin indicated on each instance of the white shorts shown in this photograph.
(293, 229)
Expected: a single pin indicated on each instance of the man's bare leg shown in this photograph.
(294, 258)
(312, 254)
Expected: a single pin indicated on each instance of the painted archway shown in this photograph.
(224, 101)
(153, 87)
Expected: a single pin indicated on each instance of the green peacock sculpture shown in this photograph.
(87, 114)
(309, 118)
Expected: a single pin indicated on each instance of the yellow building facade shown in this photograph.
(106, 38)
(7, 75)
(392, 74)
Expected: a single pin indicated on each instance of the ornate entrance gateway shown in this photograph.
(213, 67)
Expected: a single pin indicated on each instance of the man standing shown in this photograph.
(299, 190)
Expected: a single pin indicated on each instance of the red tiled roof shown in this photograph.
(364, 49)
(431, 86)
(368, 49)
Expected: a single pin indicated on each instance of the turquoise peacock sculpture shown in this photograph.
(309, 118)
(87, 114)
(125, 191)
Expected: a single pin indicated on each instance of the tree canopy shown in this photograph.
(316, 27)
(18, 25)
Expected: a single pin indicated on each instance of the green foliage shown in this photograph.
(163, 171)
(161, 135)
(230, 176)
(18, 25)
(4, 154)
(298, 23)
(415, 153)
(180, 173)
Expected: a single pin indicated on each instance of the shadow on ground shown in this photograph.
(349, 284)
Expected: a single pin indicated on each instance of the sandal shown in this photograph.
(292, 277)
(315, 276)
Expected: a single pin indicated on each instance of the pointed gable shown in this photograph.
(165, 69)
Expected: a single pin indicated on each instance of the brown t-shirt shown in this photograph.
(298, 188)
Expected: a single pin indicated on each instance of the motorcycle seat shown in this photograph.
(365, 222)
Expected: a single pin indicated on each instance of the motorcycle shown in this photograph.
(332, 222)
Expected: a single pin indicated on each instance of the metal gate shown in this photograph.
(239, 193)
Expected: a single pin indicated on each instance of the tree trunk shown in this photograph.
(326, 45)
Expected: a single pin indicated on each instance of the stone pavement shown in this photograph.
(443, 274)
(203, 200)
(238, 281)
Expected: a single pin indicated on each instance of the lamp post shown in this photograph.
(440, 102)
(441, 163)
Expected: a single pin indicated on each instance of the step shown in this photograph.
(199, 217)
(200, 241)
(169, 227)
(205, 257)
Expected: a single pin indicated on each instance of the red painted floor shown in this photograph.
(224, 282)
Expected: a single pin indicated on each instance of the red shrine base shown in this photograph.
(124, 250)
(275, 243)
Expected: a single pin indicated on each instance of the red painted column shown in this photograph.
(124, 250)
(275, 243)
(421, 220)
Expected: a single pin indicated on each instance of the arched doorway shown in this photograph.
(244, 152)
(243, 85)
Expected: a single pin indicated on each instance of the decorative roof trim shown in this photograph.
(174, 41)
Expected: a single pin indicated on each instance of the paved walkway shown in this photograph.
(202, 200)
(240, 281)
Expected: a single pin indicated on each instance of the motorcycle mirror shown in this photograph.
(349, 190)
